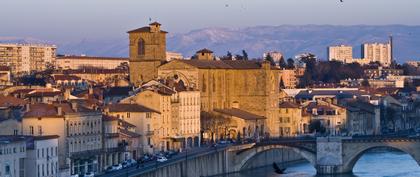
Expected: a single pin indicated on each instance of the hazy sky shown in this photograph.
(77, 19)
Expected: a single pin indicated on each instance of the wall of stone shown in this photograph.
(206, 165)
(282, 157)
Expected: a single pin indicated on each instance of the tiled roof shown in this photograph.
(129, 133)
(22, 91)
(125, 124)
(91, 58)
(239, 113)
(47, 110)
(107, 118)
(123, 107)
(93, 71)
(204, 51)
(143, 29)
(6, 101)
(43, 94)
(4, 68)
(305, 94)
(223, 64)
(287, 104)
(155, 23)
(66, 77)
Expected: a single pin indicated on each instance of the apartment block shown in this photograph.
(24, 58)
(29, 156)
(378, 52)
(342, 53)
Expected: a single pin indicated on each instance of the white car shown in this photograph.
(89, 174)
(132, 162)
(117, 167)
(162, 159)
(76, 175)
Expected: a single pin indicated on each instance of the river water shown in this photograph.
(371, 164)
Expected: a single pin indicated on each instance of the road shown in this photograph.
(132, 171)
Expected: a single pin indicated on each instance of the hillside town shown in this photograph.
(64, 115)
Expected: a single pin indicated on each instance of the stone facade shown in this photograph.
(147, 52)
(221, 83)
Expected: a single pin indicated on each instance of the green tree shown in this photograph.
(244, 55)
(270, 59)
(282, 63)
(365, 83)
(290, 63)
(239, 57)
(315, 126)
(229, 55)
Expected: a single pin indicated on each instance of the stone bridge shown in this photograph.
(332, 155)
(329, 155)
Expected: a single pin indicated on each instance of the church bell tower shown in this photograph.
(147, 52)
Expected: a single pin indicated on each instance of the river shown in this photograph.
(371, 164)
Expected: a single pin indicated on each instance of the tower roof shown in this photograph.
(155, 23)
(143, 30)
(204, 51)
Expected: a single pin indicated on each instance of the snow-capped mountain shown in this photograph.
(289, 39)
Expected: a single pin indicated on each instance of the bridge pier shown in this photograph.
(330, 156)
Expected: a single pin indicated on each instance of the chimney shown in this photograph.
(90, 90)
(67, 93)
(59, 111)
(74, 106)
(28, 107)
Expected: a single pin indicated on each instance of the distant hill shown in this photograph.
(289, 39)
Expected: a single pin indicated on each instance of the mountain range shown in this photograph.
(288, 39)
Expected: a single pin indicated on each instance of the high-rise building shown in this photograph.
(147, 52)
(24, 58)
(378, 52)
(342, 53)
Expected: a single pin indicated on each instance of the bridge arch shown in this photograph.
(352, 156)
(244, 157)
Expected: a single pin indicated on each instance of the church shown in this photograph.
(242, 89)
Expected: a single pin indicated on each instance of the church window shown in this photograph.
(203, 85)
(140, 47)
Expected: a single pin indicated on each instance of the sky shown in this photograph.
(60, 20)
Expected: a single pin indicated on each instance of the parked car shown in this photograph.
(170, 153)
(131, 162)
(89, 174)
(125, 165)
(146, 158)
(109, 169)
(76, 175)
(162, 159)
(117, 167)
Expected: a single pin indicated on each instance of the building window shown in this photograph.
(31, 130)
(40, 130)
(140, 47)
(7, 169)
(148, 115)
(128, 115)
